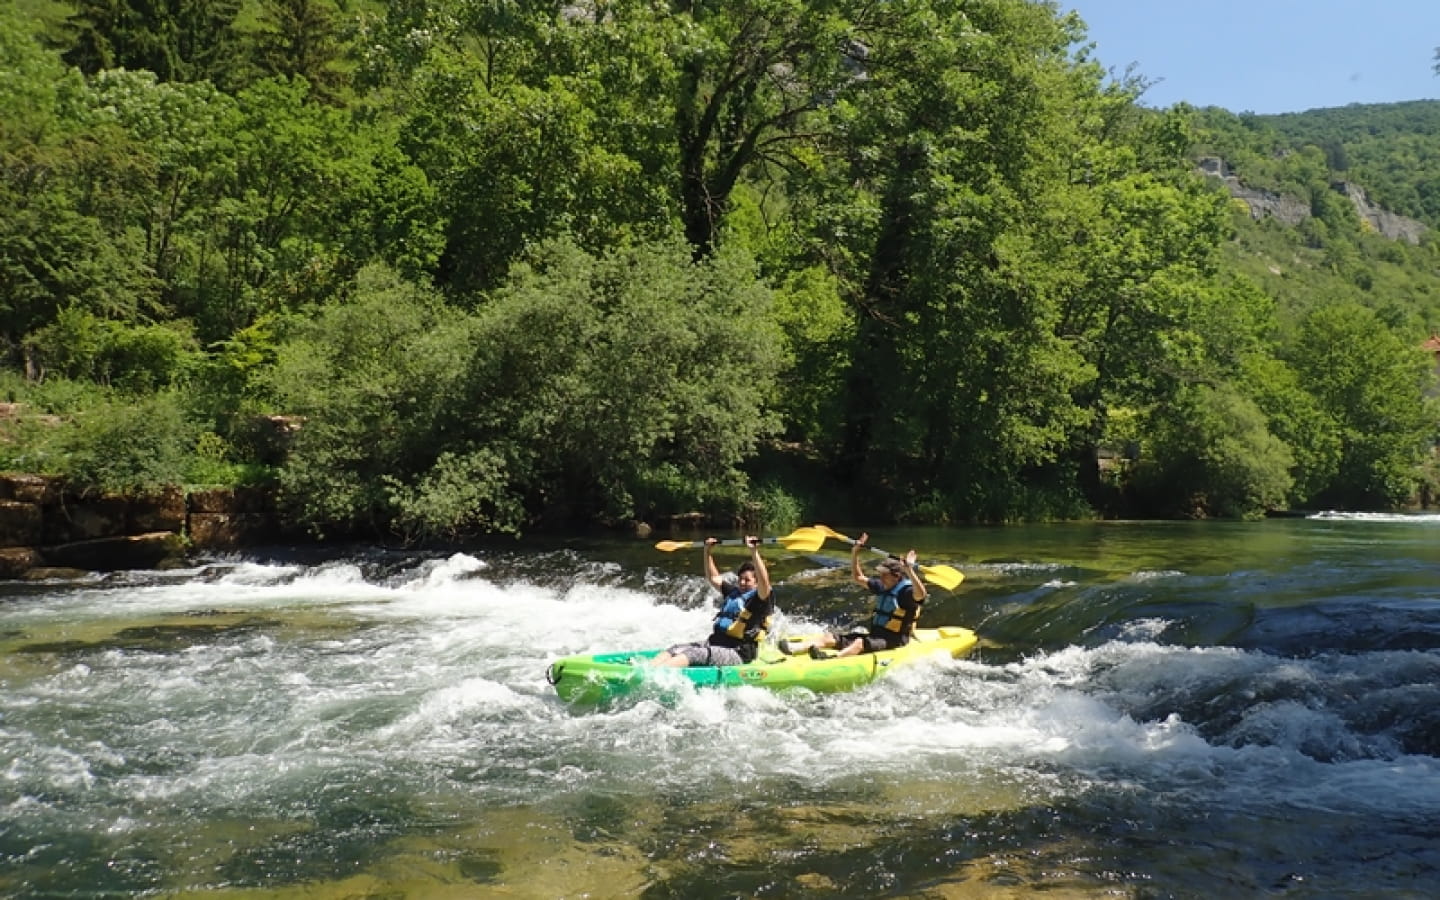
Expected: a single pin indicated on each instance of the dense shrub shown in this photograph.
(124, 446)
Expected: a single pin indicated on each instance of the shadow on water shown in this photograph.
(339, 841)
(1108, 845)
(164, 638)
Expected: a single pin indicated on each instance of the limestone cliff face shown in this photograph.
(1293, 211)
(1262, 203)
(1392, 225)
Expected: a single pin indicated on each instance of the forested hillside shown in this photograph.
(529, 265)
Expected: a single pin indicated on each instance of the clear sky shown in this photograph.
(1269, 56)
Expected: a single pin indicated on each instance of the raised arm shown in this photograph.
(857, 571)
(911, 573)
(762, 574)
(712, 574)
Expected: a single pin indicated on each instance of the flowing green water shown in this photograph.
(1157, 709)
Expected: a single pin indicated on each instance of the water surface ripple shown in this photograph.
(1157, 710)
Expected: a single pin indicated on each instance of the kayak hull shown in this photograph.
(589, 679)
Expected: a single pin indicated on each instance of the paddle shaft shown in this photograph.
(947, 577)
(804, 539)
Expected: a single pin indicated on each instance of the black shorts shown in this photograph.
(872, 643)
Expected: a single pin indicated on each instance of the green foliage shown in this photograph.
(777, 510)
(457, 493)
(370, 376)
(1373, 387)
(944, 255)
(300, 38)
(665, 368)
(178, 40)
(214, 463)
(126, 446)
(536, 407)
(1392, 149)
(136, 358)
(1296, 418)
(1210, 453)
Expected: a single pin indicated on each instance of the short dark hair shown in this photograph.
(746, 566)
(892, 565)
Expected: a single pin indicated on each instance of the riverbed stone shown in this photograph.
(160, 510)
(231, 500)
(107, 554)
(38, 489)
(229, 531)
(54, 573)
(15, 562)
(84, 519)
(21, 524)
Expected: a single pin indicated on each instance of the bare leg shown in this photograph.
(824, 641)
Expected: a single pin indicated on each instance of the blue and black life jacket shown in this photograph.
(889, 615)
(733, 619)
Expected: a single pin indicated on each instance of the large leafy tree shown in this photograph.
(260, 202)
(1373, 386)
(939, 209)
(585, 387)
(531, 124)
(748, 77)
(61, 182)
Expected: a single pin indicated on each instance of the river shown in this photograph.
(1156, 710)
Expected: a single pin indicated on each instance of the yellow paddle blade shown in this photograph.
(805, 531)
(804, 543)
(669, 546)
(944, 576)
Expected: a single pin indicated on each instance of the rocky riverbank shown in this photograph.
(46, 530)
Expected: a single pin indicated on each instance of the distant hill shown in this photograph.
(1392, 149)
(1323, 203)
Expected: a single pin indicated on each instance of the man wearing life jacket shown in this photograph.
(746, 607)
(899, 595)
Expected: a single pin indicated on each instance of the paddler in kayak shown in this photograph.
(746, 606)
(899, 595)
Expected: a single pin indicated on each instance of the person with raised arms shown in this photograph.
(746, 608)
(899, 595)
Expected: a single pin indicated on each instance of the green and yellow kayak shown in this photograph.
(597, 677)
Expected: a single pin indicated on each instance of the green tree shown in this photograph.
(1372, 384)
(973, 216)
(1210, 453)
(261, 202)
(530, 125)
(1295, 417)
(586, 388)
(58, 182)
(177, 40)
(301, 38)
(181, 139)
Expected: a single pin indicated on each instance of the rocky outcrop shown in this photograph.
(44, 526)
(1261, 203)
(1391, 225)
(1293, 211)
